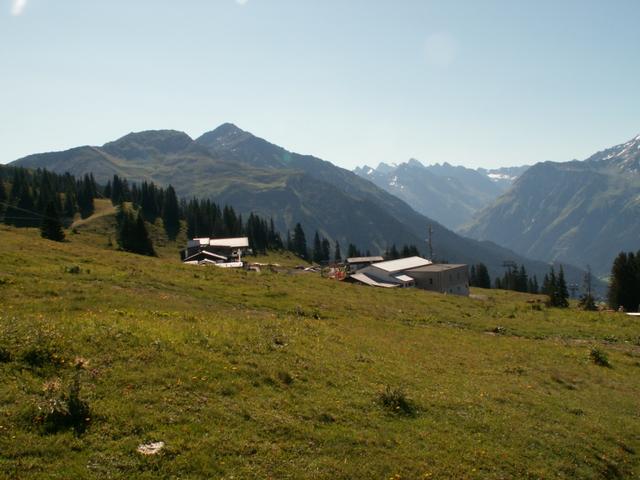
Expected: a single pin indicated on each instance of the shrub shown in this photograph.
(63, 408)
(395, 401)
(285, 377)
(600, 357)
(39, 356)
(5, 355)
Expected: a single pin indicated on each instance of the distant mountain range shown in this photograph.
(233, 166)
(581, 212)
(449, 194)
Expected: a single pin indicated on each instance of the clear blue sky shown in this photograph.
(477, 82)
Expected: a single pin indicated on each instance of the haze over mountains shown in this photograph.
(581, 212)
(449, 194)
(233, 166)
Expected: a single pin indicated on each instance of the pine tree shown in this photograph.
(3, 200)
(70, 206)
(317, 248)
(107, 189)
(552, 288)
(21, 211)
(483, 280)
(326, 250)
(337, 255)
(86, 192)
(51, 227)
(521, 280)
(171, 213)
(562, 293)
(352, 251)
(300, 242)
(473, 281)
(117, 191)
(132, 234)
(624, 283)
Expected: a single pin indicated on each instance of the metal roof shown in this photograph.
(404, 278)
(237, 242)
(198, 241)
(365, 259)
(402, 264)
(438, 267)
(229, 242)
(361, 277)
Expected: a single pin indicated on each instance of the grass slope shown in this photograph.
(279, 375)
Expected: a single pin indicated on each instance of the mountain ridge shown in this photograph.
(232, 166)
(580, 212)
(449, 194)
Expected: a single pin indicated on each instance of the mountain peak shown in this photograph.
(149, 143)
(225, 135)
(228, 129)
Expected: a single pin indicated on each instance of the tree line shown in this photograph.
(39, 198)
(624, 282)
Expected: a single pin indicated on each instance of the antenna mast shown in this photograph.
(430, 242)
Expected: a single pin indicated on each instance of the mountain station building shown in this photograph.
(221, 252)
(416, 272)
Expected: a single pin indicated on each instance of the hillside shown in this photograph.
(253, 175)
(580, 212)
(281, 375)
(450, 195)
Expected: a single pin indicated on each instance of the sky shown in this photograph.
(477, 83)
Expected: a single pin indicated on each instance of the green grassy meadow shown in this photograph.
(279, 374)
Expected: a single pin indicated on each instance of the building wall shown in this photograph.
(453, 281)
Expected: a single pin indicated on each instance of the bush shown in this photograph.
(39, 356)
(395, 401)
(285, 377)
(5, 355)
(63, 408)
(600, 357)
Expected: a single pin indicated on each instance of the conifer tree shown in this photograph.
(117, 191)
(171, 213)
(21, 211)
(353, 251)
(86, 192)
(132, 234)
(562, 293)
(482, 278)
(317, 248)
(624, 283)
(3, 200)
(70, 207)
(337, 255)
(326, 250)
(300, 242)
(51, 227)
